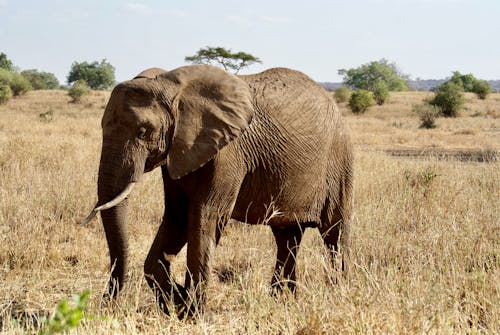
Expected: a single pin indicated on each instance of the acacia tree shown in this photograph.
(99, 76)
(368, 76)
(224, 57)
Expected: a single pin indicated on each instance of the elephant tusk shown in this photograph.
(112, 203)
(119, 198)
(89, 217)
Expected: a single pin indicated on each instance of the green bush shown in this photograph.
(17, 83)
(98, 76)
(360, 101)
(41, 80)
(78, 90)
(5, 93)
(342, 94)
(6, 63)
(367, 75)
(427, 114)
(449, 98)
(482, 89)
(380, 92)
(467, 81)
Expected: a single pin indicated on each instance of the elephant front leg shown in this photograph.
(203, 233)
(168, 242)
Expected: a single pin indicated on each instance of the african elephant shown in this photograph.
(229, 146)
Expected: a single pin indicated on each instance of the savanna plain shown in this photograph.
(426, 233)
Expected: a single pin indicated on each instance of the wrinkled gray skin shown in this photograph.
(229, 146)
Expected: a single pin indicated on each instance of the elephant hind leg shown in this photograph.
(335, 231)
(287, 242)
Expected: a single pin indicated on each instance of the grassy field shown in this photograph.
(426, 235)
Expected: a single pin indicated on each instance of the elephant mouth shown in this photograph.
(152, 163)
(110, 204)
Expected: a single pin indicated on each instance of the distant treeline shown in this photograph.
(419, 85)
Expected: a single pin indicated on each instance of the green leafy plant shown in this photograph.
(5, 93)
(427, 114)
(17, 83)
(41, 80)
(482, 89)
(360, 101)
(380, 92)
(368, 75)
(469, 83)
(67, 315)
(449, 98)
(342, 94)
(97, 75)
(78, 90)
(6, 63)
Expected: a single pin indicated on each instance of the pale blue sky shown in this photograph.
(426, 38)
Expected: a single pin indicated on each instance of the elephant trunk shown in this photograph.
(115, 226)
(114, 184)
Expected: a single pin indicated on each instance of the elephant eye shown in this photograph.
(142, 133)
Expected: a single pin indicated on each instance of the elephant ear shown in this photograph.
(212, 108)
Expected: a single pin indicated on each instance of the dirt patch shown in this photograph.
(467, 155)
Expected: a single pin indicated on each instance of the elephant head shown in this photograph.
(150, 73)
(180, 119)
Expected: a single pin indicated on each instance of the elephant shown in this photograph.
(269, 148)
(150, 73)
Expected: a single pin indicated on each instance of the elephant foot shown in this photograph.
(193, 304)
(278, 287)
(179, 301)
(171, 302)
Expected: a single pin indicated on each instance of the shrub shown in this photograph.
(5, 76)
(17, 83)
(467, 81)
(427, 114)
(342, 94)
(5, 93)
(78, 90)
(41, 80)
(6, 63)
(449, 98)
(360, 101)
(367, 75)
(482, 88)
(98, 76)
(380, 92)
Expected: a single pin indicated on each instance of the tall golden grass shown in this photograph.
(426, 235)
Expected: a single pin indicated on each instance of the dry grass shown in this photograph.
(395, 125)
(426, 235)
